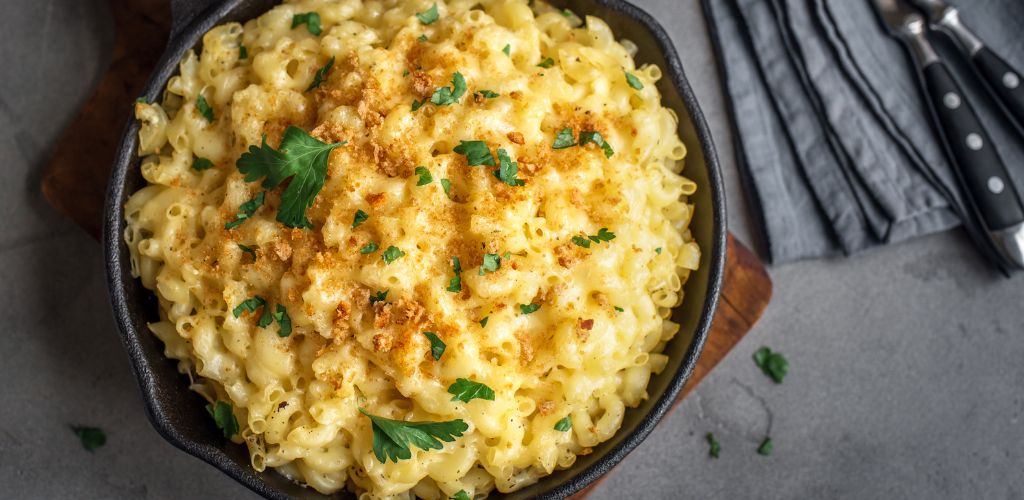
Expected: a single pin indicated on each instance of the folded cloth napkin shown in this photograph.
(833, 135)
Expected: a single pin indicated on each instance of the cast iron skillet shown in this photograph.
(178, 413)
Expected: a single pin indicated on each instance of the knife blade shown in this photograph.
(981, 171)
(1004, 81)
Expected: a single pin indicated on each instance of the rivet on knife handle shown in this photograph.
(978, 164)
(1005, 81)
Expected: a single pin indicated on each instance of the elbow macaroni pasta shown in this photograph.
(586, 354)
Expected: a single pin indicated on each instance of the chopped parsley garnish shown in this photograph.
(425, 177)
(447, 186)
(437, 346)
(445, 96)
(321, 75)
(564, 424)
(224, 417)
(595, 137)
(466, 390)
(508, 49)
(483, 322)
(418, 104)
(766, 447)
(528, 308)
(657, 250)
(199, 163)
(369, 248)
(359, 218)
(455, 283)
(378, 297)
(476, 152)
(564, 139)
(508, 169)
(283, 320)
(462, 495)
(243, 53)
(405, 72)
(603, 234)
(246, 210)
(91, 437)
(421, 38)
(141, 100)
(546, 63)
(617, 308)
(303, 159)
(633, 81)
(204, 108)
(392, 254)
(392, 438)
(428, 16)
(310, 19)
(486, 94)
(715, 448)
(492, 262)
(248, 250)
(251, 305)
(773, 364)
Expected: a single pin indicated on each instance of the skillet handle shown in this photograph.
(183, 12)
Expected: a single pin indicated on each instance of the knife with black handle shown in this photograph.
(978, 165)
(1002, 80)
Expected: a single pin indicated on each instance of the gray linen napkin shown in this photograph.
(838, 97)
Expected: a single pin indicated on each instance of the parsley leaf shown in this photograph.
(302, 158)
(657, 250)
(492, 262)
(528, 308)
(483, 322)
(359, 218)
(564, 139)
(243, 53)
(595, 137)
(581, 241)
(633, 81)
(567, 13)
(392, 438)
(248, 250)
(462, 495)
(418, 104)
(603, 234)
(224, 417)
(249, 305)
(486, 94)
(447, 186)
(428, 16)
(91, 437)
(455, 284)
(321, 75)
(476, 152)
(421, 38)
(378, 297)
(283, 320)
(199, 163)
(508, 49)
(204, 108)
(437, 346)
(392, 254)
(546, 63)
(466, 390)
(425, 177)
(266, 318)
(405, 72)
(617, 308)
(508, 170)
(766, 447)
(773, 364)
(715, 447)
(564, 424)
(445, 96)
(310, 19)
(369, 248)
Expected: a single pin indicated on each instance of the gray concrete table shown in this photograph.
(906, 363)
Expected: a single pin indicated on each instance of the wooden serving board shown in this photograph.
(75, 179)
